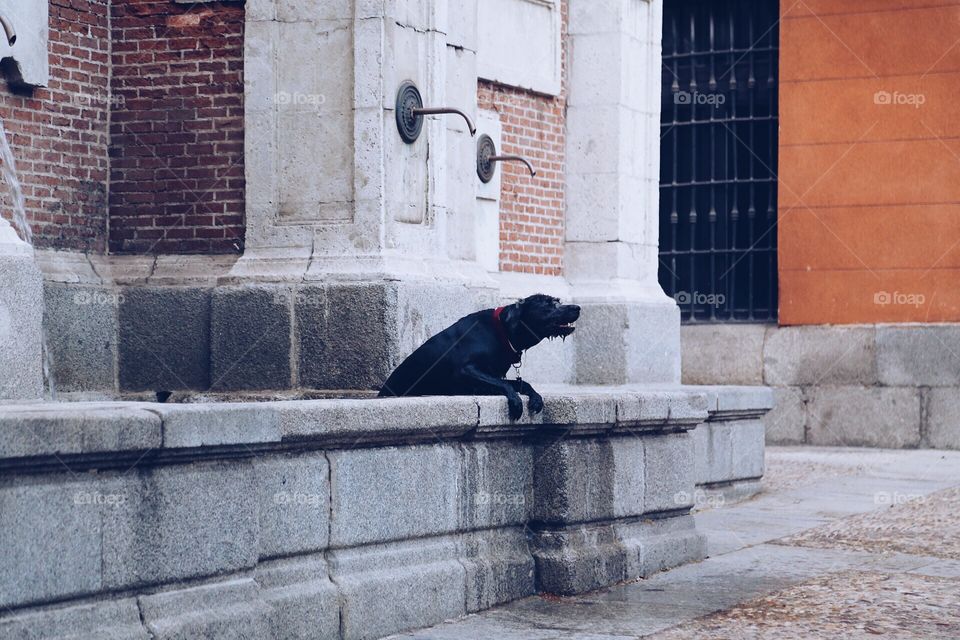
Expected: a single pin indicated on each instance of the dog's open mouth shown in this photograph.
(563, 330)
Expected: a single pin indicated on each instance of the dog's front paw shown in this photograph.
(536, 403)
(514, 406)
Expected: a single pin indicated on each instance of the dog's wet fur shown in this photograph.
(473, 355)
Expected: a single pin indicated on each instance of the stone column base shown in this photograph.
(253, 337)
(628, 342)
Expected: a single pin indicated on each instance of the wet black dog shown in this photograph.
(472, 356)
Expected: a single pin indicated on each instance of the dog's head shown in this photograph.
(540, 316)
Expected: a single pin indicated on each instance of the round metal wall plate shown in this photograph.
(408, 123)
(486, 149)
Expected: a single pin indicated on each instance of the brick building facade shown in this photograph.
(136, 145)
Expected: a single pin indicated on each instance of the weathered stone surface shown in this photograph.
(373, 420)
(748, 450)
(21, 318)
(250, 338)
(499, 567)
(50, 541)
(294, 509)
(918, 355)
(345, 337)
(389, 588)
(582, 481)
(497, 485)
(196, 425)
(728, 451)
(180, 522)
(164, 339)
(303, 601)
(864, 417)
(52, 429)
(786, 422)
(226, 610)
(820, 355)
(726, 402)
(942, 429)
(81, 324)
(620, 344)
(393, 493)
(558, 409)
(108, 619)
(579, 558)
(722, 353)
(656, 545)
(668, 472)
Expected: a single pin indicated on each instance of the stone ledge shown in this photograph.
(101, 431)
(278, 515)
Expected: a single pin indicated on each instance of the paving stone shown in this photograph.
(903, 522)
(414, 489)
(250, 344)
(919, 355)
(226, 610)
(864, 417)
(850, 604)
(820, 355)
(294, 504)
(164, 339)
(82, 334)
(942, 429)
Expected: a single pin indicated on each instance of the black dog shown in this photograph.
(472, 356)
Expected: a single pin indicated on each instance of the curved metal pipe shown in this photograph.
(533, 172)
(8, 29)
(435, 111)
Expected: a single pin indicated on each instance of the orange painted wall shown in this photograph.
(869, 221)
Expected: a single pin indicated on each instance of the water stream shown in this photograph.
(8, 169)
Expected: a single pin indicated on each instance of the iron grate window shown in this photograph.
(718, 186)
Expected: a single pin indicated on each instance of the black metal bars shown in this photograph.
(718, 185)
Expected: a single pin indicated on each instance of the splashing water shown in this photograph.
(8, 169)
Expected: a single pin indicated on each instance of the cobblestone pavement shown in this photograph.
(842, 543)
(906, 523)
(841, 605)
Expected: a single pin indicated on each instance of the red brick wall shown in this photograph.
(531, 209)
(176, 175)
(59, 133)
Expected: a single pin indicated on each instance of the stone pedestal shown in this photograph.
(336, 198)
(21, 318)
(630, 330)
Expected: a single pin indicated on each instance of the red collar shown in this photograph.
(501, 332)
